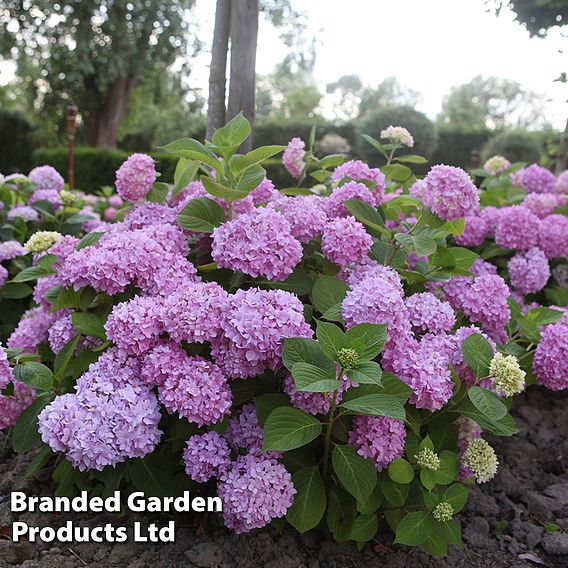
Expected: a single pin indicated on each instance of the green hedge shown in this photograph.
(16, 143)
(95, 167)
(456, 145)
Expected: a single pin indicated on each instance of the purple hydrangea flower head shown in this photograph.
(10, 250)
(345, 241)
(197, 391)
(61, 332)
(135, 326)
(293, 158)
(206, 456)
(543, 204)
(161, 361)
(369, 268)
(428, 313)
(551, 357)
(357, 170)
(537, 179)
(49, 195)
(43, 285)
(254, 326)
(334, 204)
(193, 312)
(481, 266)
(490, 215)
(135, 177)
(259, 243)
(255, 490)
(529, 271)
(11, 406)
(3, 275)
(474, 232)
(46, 177)
(553, 236)
(64, 248)
(147, 213)
(517, 228)
(6, 375)
(305, 213)
(450, 193)
(562, 182)
(378, 438)
(110, 213)
(115, 201)
(264, 192)
(418, 190)
(244, 431)
(31, 330)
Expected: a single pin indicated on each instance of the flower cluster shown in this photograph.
(398, 135)
(293, 158)
(134, 179)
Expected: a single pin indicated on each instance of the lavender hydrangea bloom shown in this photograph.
(450, 193)
(293, 158)
(537, 179)
(305, 213)
(3, 275)
(43, 285)
(334, 204)
(61, 332)
(357, 170)
(11, 406)
(474, 232)
(345, 241)
(543, 204)
(244, 431)
(206, 456)
(258, 243)
(6, 375)
(264, 192)
(10, 250)
(198, 391)
(24, 212)
(369, 268)
(562, 182)
(147, 213)
(428, 313)
(50, 195)
(553, 236)
(551, 357)
(163, 360)
(254, 326)
(529, 272)
(378, 438)
(517, 228)
(46, 177)
(32, 330)
(135, 177)
(481, 266)
(491, 216)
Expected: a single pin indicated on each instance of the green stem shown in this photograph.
(329, 427)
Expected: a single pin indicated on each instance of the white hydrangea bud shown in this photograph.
(398, 135)
(42, 240)
(508, 377)
(481, 459)
(443, 512)
(428, 459)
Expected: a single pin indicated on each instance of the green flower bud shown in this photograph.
(67, 197)
(42, 240)
(443, 512)
(347, 358)
(427, 459)
(508, 377)
(480, 457)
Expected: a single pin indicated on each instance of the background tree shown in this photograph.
(93, 53)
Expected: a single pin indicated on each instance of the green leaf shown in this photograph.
(26, 434)
(478, 354)
(31, 273)
(327, 292)
(39, 460)
(397, 172)
(449, 467)
(63, 357)
(254, 157)
(427, 479)
(232, 135)
(341, 515)
(375, 144)
(310, 378)
(365, 373)
(386, 254)
(463, 257)
(455, 227)
(356, 474)
(395, 493)
(364, 528)
(89, 324)
(331, 339)
(222, 191)
(333, 314)
(201, 215)
(88, 240)
(400, 471)
(487, 402)
(300, 282)
(184, 173)
(158, 193)
(437, 543)
(544, 316)
(267, 402)
(377, 405)
(250, 178)
(367, 214)
(456, 495)
(300, 350)
(288, 428)
(394, 386)
(413, 529)
(412, 159)
(15, 291)
(421, 245)
(154, 475)
(35, 375)
(372, 503)
(193, 150)
(374, 338)
(452, 532)
(310, 501)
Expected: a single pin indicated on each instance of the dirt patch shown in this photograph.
(507, 522)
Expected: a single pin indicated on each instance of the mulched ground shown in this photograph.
(507, 522)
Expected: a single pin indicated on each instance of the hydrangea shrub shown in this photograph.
(330, 355)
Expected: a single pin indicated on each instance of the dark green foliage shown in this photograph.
(455, 145)
(17, 143)
(516, 146)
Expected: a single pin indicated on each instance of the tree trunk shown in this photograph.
(105, 119)
(562, 160)
(244, 35)
(218, 70)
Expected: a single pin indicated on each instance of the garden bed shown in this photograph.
(507, 522)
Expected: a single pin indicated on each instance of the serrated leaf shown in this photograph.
(201, 215)
(377, 405)
(413, 529)
(35, 375)
(310, 500)
(287, 428)
(356, 474)
(478, 354)
(487, 402)
(310, 378)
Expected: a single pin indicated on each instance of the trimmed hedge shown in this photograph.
(516, 146)
(17, 142)
(455, 145)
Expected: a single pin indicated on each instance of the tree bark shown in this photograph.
(218, 69)
(244, 35)
(105, 118)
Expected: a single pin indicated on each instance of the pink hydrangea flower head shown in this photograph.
(115, 201)
(543, 204)
(293, 158)
(345, 241)
(418, 190)
(474, 232)
(194, 311)
(264, 192)
(135, 177)
(481, 266)
(244, 431)
(6, 375)
(259, 243)
(553, 236)
(162, 361)
(31, 330)
(10, 250)
(49, 195)
(61, 332)
(551, 357)
(428, 313)
(562, 182)
(378, 438)
(146, 213)
(305, 213)
(517, 177)
(490, 215)
(529, 271)
(46, 177)
(357, 170)
(3, 275)
(11, 406)
(369, 268)
(197, 391)
(206, 456)
(517, 228)
(255, 490)
(450, 193)
(537, 179)
(334, 204)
